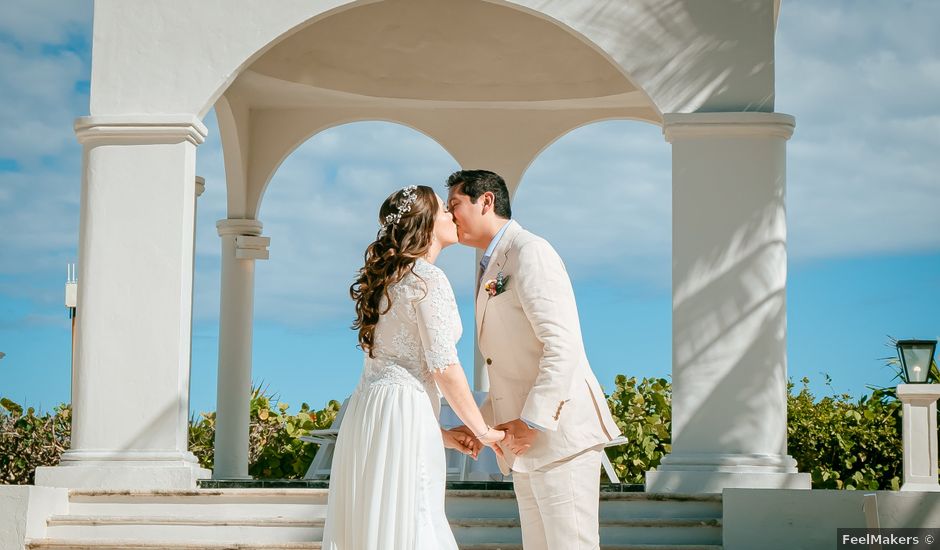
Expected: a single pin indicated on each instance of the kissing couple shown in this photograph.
(546, 417)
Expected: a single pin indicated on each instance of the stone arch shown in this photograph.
(296, 139)
(701, 68)
(569, 130)
(685, 55)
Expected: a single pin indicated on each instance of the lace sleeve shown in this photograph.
(435, 313)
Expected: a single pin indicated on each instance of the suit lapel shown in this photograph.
(497, 260)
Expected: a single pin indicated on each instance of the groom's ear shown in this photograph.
(489, 200)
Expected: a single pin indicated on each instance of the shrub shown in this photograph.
(843, 443)
(28, 440)
(643, 412)
(846, 444)
(274, 450)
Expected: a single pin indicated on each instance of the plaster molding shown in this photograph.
(237, 226)
(249, 247)
(142, 129)
(727, 124)
(85, 456)
(730, 462)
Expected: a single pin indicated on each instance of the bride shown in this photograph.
(387, 481)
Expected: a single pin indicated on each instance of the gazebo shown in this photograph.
(494, 82)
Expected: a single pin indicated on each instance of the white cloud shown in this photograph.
(862, 80)
(602, 196)
(321, 207)
(32, 22)
(44, 63)
(39, 102)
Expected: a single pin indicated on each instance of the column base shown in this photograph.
(711, 473)
(130, 471)
(716, 482)
(920, 487)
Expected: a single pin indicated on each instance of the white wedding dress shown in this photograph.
(388, 474)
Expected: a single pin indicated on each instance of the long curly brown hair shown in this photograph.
(390, 257)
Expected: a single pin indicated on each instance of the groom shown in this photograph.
(542, 390)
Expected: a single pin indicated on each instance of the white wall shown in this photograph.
(773, 519)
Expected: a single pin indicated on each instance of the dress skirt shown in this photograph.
(388, 474)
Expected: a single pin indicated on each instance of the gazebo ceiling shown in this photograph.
(442, 50)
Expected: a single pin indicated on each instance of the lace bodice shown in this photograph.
(418, 334)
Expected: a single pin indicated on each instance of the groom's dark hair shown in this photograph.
(474, 183)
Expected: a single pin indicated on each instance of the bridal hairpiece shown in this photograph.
(404, 206)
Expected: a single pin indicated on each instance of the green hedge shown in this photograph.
(843, 442)
(28, 440)
(274, 450)
(846, 443)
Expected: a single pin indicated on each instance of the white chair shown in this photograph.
(605, 462)
(456, 461)
(323, 460)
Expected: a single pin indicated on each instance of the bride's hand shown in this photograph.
(491, 438)
(461, 441)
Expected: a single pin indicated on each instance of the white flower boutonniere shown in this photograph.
(495, 287)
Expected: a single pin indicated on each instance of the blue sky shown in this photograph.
(862, 80)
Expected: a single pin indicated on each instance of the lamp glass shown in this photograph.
(916, 358)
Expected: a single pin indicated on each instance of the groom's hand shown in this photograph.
(519, 436)
(478, 445)
(467, 436)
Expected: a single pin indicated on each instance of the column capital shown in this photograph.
(727, 124)
(139, 129)
(249, 244)
(200, 185)
(236, 226)
(918, 393)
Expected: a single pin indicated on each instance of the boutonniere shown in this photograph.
(495, 287)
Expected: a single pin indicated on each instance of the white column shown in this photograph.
(130, 380)
(729, 404)
(919, 436)
(241, 246)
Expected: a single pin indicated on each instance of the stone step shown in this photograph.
(268, 529)
(501, 546)
(75, 519)
(114, 544)
(311, 503)
(296, 515)
(622, 531)
(102, 544)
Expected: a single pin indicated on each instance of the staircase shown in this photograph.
(292, 519)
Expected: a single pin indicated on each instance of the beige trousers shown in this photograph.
(558, 503)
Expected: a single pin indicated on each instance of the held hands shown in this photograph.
(489, 438)
(461, 441)
(519, 436)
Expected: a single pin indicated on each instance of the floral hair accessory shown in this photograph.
(404, 206)
(495, 287)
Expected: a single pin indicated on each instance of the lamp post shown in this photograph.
(71, 303)
(916, 358)
(919, 415)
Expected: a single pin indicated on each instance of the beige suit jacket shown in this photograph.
(530, 339)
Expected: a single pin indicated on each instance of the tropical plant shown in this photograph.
(846, 443)
(274, 447)
(29, 440)
(643, 412)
